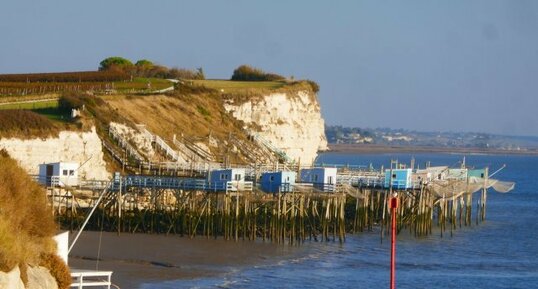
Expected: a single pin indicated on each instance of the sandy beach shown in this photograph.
(141, 258)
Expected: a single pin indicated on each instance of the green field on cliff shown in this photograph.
(234, 86)
(31, 105)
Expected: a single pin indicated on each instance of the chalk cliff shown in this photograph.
(81, 147)
(290, 121)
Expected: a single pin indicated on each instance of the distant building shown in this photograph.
(59, 174)
(275, 182)
(323, 179)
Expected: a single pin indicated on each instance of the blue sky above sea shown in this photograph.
(418, 65)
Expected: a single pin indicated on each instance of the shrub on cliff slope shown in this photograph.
(26, 222)
(70, 101)
(314, 85)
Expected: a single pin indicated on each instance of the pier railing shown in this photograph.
(86, 278)
(160, 143)
(155, 182)
(280, 153)
(191, 144)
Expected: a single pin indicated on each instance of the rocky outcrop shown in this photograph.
(81, 147)
(11, 279)
(290, 121)
(38, 278)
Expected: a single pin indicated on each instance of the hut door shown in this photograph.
(49, 173)
(50, 170)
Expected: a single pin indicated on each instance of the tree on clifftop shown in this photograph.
(115, 62)
(144, 63)
(249, 73)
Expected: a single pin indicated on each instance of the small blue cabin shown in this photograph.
(323, 179)
(401, 178)
(275, 182)
(481, 173)
(227, 175)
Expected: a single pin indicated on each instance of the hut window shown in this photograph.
(237, 177)
(288, 178)
(71, 172)
(482, 175)
(315, 178)
(439, 176)
(393, 176)
(223, 176)
(271, 178)
(64, 172)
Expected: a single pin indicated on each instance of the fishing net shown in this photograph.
(498, 186)
(448, 188)
(455, 188)
(351, 191)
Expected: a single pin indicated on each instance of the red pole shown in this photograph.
(393, 206)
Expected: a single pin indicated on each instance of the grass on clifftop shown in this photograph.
(31, 105)
(140, 83)
(229, 86)
(242, 91)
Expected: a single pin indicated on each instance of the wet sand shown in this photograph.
(141, 258)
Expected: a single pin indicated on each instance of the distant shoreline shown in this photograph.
(372, 149)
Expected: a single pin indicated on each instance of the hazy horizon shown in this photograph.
(464, 66)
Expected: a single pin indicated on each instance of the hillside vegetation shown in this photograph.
(26, 224)
(196, 116)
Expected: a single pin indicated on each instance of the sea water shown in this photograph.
(499, 253)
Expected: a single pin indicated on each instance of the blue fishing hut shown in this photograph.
(323, 179)
(274, 182)
(481, 173)
(222, 177)
(401, 179)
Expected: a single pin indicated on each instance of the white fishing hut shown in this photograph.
(59, 174)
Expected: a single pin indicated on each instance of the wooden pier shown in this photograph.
(197, 207)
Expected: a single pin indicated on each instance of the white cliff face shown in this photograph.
(84, 148)
(38, 278)
(291, 122)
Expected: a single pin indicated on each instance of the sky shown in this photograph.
(419, 65)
